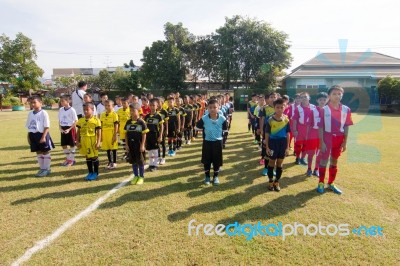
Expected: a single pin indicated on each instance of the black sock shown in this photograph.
(248, 126)
(170, 144)
(96, 165)
(216, 171)
(270, 173)
(89, 165)
(278, 173)
(207, 168)
(266, 162)
(109, 156)
(114, 152)
(174, 143)
(164, 148)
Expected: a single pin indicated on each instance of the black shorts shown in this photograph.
(68, 139)
(212, 153)
(135, 156)
(36, 146)
(171, 132)
(152, 141)
(278, 146)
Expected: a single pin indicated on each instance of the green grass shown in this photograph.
(148, 225)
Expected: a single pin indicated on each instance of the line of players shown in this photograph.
(318, 131)
(147, 126)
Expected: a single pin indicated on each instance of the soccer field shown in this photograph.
(148, 224)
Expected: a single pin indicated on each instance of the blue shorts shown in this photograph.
(36, 146)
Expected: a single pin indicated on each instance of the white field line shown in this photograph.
(50, 238)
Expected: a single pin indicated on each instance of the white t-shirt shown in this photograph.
(37, 121)
(117, 107)
(100, 108)
(77, 101)
(67, 117)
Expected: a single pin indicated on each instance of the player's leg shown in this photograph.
(270, 173)
(336, 152)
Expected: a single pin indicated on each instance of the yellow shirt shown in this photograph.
(123, 116)
(87, 127)
(108, 120)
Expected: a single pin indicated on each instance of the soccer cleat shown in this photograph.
(170, 152)
(277, 188)
(302, 161)
(297, 161)
(151, 168)
(65, 163)
(193, 138)
(271, 186)
(265, 172)
(43, 173)
(173, 153)
(71, 163)
(93, 176)
(113, 166)
(39, 172)
(188, 142)
(316, 173)
(255, 142)
(162, 161)
(335, 189)
(207, 180)
(140, 181)
(261, 162)
(134, 180)
(178, 148)
(309, 173)
(215, 181)
(321, 187)
(87, 177)
(108, 166)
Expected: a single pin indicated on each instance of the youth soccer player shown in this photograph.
(173, 126)
(333, 133)
(101, 107)
(277, 143)
(187, 126)
(136, 130)
(301, 124)
(123, 115)
(182, 115)
(109, 125)
(251, 105)
(213, 126)
(67, 118)
(88, 140)
(154, 123)
(164, 116)
(38, 124)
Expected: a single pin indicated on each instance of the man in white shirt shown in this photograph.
(77, 98)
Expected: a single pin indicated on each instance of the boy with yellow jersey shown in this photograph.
(88, 140)
(109, 124)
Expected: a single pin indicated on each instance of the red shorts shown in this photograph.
(333, 146)
(312, 144)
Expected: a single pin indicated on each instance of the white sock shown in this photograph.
(151, 158)
(40, 161)
(46, 161)
(67, 153)
(155, 157)
(72, 154)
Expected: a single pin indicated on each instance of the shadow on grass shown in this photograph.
(73, 193)
(231, 200)
(275, 208)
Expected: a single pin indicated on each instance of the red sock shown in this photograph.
(332, 174)
(310, 158)
(322, 171)
(317, 160)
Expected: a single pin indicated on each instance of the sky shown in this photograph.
(83, 34)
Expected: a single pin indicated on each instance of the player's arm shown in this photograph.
(287, 139)
(346, 133)
(98, 137)
(161, 125)
(267, 134)
(142, 146)
(45, 132)
(199, 125)
(78, 137)
(179, 121)
(116, 128)
(322, 145)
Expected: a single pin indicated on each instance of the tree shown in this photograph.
(17, 62)
(389, 90)
(127, 81)
(246, 45)
(104, 80)
(162, 67)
